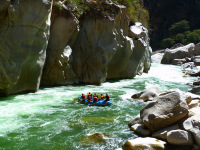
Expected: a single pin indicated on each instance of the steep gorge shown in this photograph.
(38, 50)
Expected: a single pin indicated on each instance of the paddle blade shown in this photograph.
(75, 99)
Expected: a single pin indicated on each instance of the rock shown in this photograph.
(179, 137)
(148, 94)
(178, 53)
(179, 61)
(194, 103)
(192, 124)
(144, 144)
(197, 49)
(195, 90)
(135, 120)
(141, 130)
(94, 138)
(196, 82)
(164, 111)
(156, 58)
(197, 60)
(24, 34)
(64, 30)
(162, 134)
(103, 48)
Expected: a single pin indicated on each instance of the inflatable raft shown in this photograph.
(99, 103)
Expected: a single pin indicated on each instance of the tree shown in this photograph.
(168, 42)
(179, 27)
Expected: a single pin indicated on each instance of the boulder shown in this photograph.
(141, 130)
(179, 137)
(197, 60)
(195, 90)
(144, 144)
(179, 61)
(135, 120)
(164, 111)
(177, 53)
(197, 49)
(162, 134)
(94, 138)
(64, 29)
(24, 35)
(148, 94)
(192, 124)
(156, 58)
(196, 82)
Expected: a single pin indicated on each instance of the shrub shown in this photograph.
(179, 38)
(168, 42)
(179, 27)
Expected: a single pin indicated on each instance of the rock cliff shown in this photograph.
(104, 48)
(99, 45)
(24, 32)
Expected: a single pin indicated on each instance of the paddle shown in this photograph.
(75, 99)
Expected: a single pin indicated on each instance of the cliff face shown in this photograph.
(100, 45)
(164, 13)
(104, 47)
(24, 28)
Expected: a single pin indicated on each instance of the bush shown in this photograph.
(193, 37)
(179, 38)
(168, 42)
(179, 27)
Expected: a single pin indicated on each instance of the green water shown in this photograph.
(51, 120)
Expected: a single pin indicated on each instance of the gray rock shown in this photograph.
(178, 53)
(179, 137)
(64, 29)
(156, 58)
(135, 120)
(24, 34)
(192, 125)
(164, 111)
(141, 130)
(148, 94)
(144, 144)
(162, 134)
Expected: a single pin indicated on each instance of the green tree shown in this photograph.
(193, 37)
(168, 42)
(179, 38)
(179, 27)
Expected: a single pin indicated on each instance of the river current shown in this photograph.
(51, 120)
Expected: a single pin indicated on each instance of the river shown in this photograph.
(51, 120)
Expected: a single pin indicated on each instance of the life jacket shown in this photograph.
(102, 97)
(83, 96)
(89, 97)
(95, 99)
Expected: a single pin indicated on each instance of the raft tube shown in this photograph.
(99, 103)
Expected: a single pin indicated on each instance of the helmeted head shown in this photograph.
(82, 93)
(106, 94)
(101, 94)
(89, 93)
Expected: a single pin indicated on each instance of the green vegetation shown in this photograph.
(135, 8)
(180, 33)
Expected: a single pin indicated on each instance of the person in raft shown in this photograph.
(83, 96)
(95, 98)
(102, 96)
(89, 96)
(107, 97)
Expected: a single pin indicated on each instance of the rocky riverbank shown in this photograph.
(169, 120)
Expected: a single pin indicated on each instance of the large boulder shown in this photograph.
(149, 94)
(135, 120)
(64, 29)
(24, 34)
(156, 58)
(179, 137)
(162, 134)
(144, 144)
(177, 53)
(164, 111)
